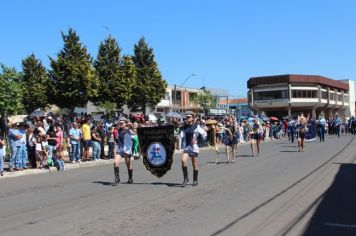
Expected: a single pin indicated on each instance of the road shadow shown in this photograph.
(288, 151)
(245, 155)
(336, 212)
(105, 183)
(289, 146)
(216, 163)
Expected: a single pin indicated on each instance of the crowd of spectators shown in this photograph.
(41, 142)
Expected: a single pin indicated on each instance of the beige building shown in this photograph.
(284, 95)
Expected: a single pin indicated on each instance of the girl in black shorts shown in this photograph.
(231, 139)
(255, 136)
(301, 127)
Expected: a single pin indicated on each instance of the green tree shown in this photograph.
(115, 82)
(72, 75)
(150, 87)
(11, 91)
(205, 100)
(35, 84)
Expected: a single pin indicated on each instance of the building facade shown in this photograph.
(285, 95)
(238, 107)
(178, 99)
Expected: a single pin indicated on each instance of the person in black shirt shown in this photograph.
(255, 136)
(231, 139)
(52, 142)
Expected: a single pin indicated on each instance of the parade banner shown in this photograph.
(310, 135)
(157, 148)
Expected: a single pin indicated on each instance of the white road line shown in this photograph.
(341, 225)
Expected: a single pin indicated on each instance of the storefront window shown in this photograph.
(270, 95)
(304, 94)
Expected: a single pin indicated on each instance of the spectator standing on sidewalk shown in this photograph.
(111, 142)
(31, 148)
(23, 157)
(95, 142)
(52, 143)
(86, 138)
(59, 142)
(39, 152)
(75, 136)
(15, 144)
(102, 134)
(2, 154)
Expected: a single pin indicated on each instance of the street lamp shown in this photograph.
(175, 88)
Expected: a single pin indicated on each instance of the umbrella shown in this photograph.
(37, 113)
(173, 114)
(273, 118)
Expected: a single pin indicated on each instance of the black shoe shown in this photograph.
(130, 181)
(195, 178)
(185, 175)
(117, 180)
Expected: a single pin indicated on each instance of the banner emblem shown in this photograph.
(157, 148)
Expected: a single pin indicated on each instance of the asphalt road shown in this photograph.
(281, 192)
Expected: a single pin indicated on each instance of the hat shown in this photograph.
(14, 124)
(189, 113)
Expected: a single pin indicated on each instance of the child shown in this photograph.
(135, 152)
(47, 156)
(40, 153)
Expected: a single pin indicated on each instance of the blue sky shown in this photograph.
(225, 42)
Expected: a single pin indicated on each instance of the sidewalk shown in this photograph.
(68, 165)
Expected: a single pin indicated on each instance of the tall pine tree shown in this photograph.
(11, 91)
(115, 83)
(35, 84)
(73, 76)
(150, 87)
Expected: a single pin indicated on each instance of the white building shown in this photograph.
(283, 95)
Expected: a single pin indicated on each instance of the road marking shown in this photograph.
(341, 225)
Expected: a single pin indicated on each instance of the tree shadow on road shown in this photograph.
(335, 213)
(105, 183)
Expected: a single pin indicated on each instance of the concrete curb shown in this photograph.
(67, 166)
